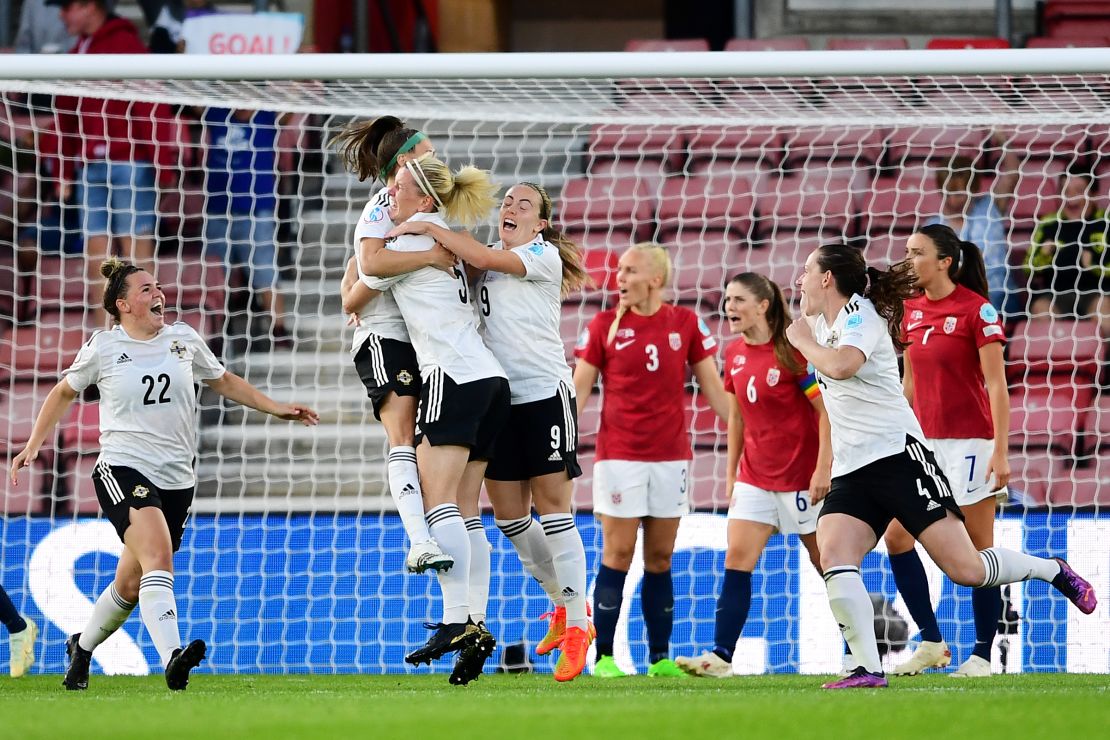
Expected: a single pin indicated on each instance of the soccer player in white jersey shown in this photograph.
(146, 372)
(383, 354)
(526, 274)
(882, 468)
(464, 402)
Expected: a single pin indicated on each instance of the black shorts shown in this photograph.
(540, 438)
(909, 487)
(384, 366)
(468, 415)
(121, 489)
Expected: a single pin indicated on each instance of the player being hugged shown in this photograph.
(464, 402)
(954, 376)
(882, 468)
(144, 480)
(642, 350)
(778, 436)
(526, 274)
(383, 355)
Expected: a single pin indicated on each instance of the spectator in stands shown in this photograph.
(108, 148)
(1068, 264)
(241, 189)
(41, 31)
(977, 217)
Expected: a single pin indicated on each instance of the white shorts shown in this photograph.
(789, 512)
(964, 462)
(630, 490)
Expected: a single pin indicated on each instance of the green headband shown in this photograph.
(408, 146)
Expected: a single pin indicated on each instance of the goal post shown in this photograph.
(293, 560)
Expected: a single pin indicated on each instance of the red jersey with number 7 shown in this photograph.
(949, 394)
(643, 378)
(780, 424)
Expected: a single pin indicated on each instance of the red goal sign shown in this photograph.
(243, 33)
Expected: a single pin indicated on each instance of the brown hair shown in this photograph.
(368, 148)
(888, 289)
(967, 268)
(661, 261)
(765, 289)
(574, 274)
(115, 272)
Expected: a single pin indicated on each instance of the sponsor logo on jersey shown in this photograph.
(622, 345)
(177, 349)
(140, 491)
(988, 313)
(123, 358)
(404, 378)
(853, 321)
(949, 324)
(913, 325)
(675, 340)
(773, 375)
(916, 315)
(583, 339)
(375, 216)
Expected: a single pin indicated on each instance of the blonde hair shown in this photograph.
(467, 197)
(660, 261)
(574, 273)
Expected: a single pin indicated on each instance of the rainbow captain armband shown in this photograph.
(808, 384)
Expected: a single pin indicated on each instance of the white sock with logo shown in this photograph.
(568, 557)
(854, 612)
(404, 487)
(159, 610)
(531, 548)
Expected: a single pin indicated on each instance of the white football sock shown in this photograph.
(855, 613)
(404, 487)
(159, 610)
(479, 568)
(1009, 566)
(569, 560)
(531, 548)
(109, 613)
(446, 525)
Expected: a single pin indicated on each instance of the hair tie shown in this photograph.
(408, 146)
(867, 283)
(422, 181)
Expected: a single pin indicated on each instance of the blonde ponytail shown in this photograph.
(466, 198)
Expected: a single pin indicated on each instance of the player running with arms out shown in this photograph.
(779, 438)
(464, 402)
(144, 480)
(882, 469)
(383, 354)
(955, 379)
(642, 350)
(526, 274)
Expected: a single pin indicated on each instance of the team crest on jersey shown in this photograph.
(739, 360)
(140, 491)
(536, 249)
(626, 333)
(833, 339)
(177, 349)
(675, 340)
(950, 324)
(404, 378)
(773, 376)
(375, 216)
(916, 315)
(615, 497)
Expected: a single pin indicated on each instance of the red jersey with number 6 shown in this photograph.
(643, 375)
(949, 395)
(780, 423)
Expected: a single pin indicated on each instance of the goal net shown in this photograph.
(293, 558)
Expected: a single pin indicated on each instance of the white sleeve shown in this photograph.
(205, 364)
(863, 330)
(375, 222)
(85, 370)
(541, 262)
(382, 283)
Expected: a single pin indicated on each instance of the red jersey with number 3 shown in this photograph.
(643, 376)
(780, 423)
(949, 394)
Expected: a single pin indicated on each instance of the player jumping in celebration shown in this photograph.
(778, 436)
(464, 402)
(144, 480)
(882, 469)
(955, 378)
(526, 275)
(641, 475)
(383, 354)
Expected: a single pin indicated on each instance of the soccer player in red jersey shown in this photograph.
(641, 474)
(955, 379)
(778, 434)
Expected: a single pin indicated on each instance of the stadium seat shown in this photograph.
(1062, 349)
(783, 43)
(885, 249)
(612, 211)
(76, 484)
(709, 432)
(43, 349)
(933, 144)
(701, 264)
(667, 45)
(1031, 471)
(716, 147)
(1067, 42)
(31, 495)
(1050, 415)
(193, 282)
(1101, 424)
(860, 145)
(1079, 28)
(1080, 486)
(573, 319)
(1037, 193)
(966, 42)
(80, 430)
(647, 152)
(708, 475)
(589, 422)
(811, 200)
(699, 204)
(57, 283)
(11, 286)
(19, 404)
(1063, 142)
(865, 43)
(583, 485)
(601, 265)
(781, 259)
(901, 202)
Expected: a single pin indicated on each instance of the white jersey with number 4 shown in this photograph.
(869, 415)
(520, 322)
(381, 315)
(147, 398)
(442, 322)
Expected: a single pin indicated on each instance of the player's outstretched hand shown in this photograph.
(22, 460)
(297, 412)
(799, 332)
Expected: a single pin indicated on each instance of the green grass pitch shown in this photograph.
(1075, 707)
